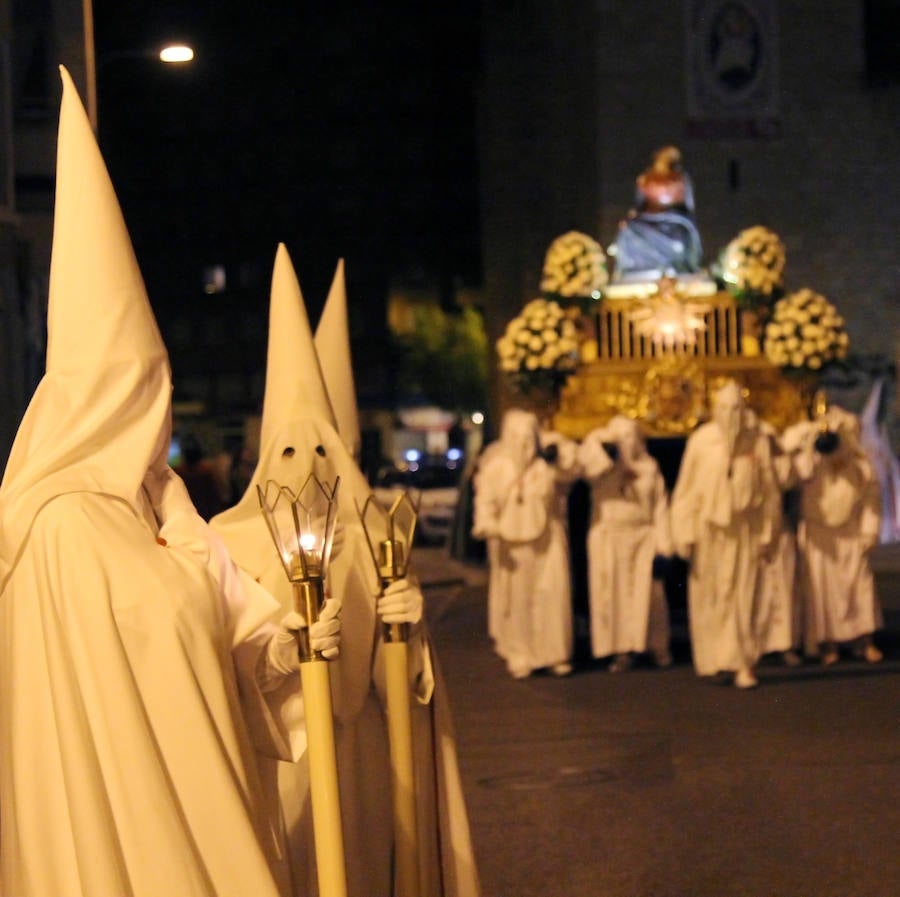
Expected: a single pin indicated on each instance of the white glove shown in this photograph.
(282, 657)
(325, 633)
(401, 603)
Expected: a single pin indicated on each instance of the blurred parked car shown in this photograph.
(433, 486)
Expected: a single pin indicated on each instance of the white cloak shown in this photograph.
(724, 512)
(529, 585)
(779, 620)
(127, 767)
(779, 609)
(840, 522)
(629, 526)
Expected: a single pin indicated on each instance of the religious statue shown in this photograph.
(658, 236)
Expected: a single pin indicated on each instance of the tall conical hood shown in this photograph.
(298, 432)
(101, 415)
(294, 383)
(333, 348)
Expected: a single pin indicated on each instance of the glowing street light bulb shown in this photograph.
(176, 53)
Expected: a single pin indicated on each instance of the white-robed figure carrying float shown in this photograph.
(299, 436)
(140, 669)
(840, 519)
(724, 516)
(517, 512)
(629, 527)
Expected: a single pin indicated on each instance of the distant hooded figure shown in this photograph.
(301, 435)
(629, 527)
(139, 672)
(724, 516)
(840, 519)
(517, 513)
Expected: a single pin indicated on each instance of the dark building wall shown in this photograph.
(539, 162)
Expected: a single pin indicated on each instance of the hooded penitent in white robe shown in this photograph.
(130, 652)
(723, 515)
(517, 511)
(629, 526)
(299, 437)
(839, 524)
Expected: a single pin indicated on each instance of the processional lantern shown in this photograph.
(389, 534)
(302, 526)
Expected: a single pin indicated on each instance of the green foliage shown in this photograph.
(444, 358)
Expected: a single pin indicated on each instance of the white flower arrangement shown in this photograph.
(805, 332)
(539, 348)
(574, 266)
(752, 266)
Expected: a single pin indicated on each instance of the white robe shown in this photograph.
(126, 765)
(495, 605)
(629, 526)
(723, 513)
(840, 521)
(779, 622)
(779, 609)
(529, 600)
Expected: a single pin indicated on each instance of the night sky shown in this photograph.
(338, 129)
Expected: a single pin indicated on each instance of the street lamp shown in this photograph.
(169, 54)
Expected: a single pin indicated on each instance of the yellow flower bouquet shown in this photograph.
(539, 349)
(805, 332)
(751, 267)
(574, 267)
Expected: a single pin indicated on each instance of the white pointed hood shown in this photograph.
(333, 348)
(294, 384)
(101, 415)
(298, 432)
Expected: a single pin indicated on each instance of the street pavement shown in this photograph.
(652, 783)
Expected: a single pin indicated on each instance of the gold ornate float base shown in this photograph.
(671, 395)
